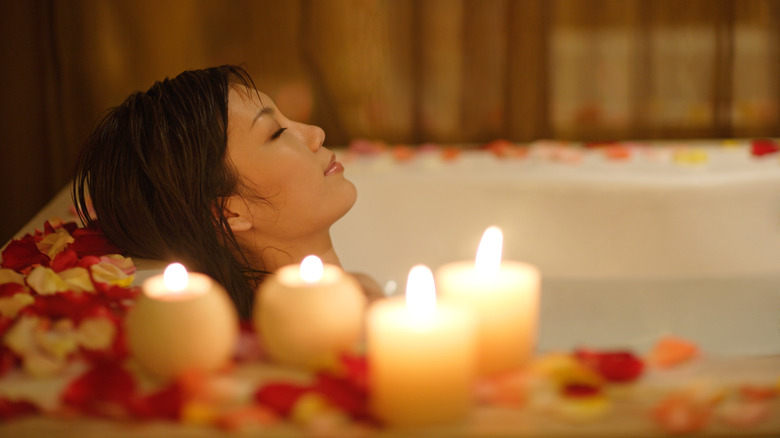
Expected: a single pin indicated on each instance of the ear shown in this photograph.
(237, 214)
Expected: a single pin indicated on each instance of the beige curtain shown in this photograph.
(405, 71)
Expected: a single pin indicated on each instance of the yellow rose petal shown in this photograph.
(78, 279)
(105, 272)
(55, 242)
(46, 282)
(96, 333)
(10, 276)
(57, 342)
(10, 306)
(19, 338)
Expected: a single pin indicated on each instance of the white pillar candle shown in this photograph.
(306, 314)
(504, 297)
(421, 357)
(182, 321)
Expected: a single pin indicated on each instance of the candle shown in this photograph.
(504, 297)
(306, 314)
(182, 321)
(421, 355)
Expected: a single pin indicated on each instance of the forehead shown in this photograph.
(246, 100)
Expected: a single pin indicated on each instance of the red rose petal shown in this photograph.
(499, 147)
(10, 409)
(21, 254)
(67, 304)
(356, 368)
(166, 403)
(87, 261)
(614, 366)
(342, 394)
(115, 292)
(64, 260)
(280, 397)
(101, 388)
(764, 146)
(92, 241)
(579, 390)
(8, 359)
(10, 289)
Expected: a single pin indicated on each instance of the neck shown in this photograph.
(274, 255)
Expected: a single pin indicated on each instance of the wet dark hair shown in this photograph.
(156, 172)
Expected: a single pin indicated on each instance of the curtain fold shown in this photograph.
(403, 71)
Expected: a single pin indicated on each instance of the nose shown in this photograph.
(315, 137)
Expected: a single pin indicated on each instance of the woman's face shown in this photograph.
(302, 187)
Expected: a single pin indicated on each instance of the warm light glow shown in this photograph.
(489, 252)
(420, 293)
(311, 269)
(175, 277)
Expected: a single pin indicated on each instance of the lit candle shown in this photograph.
(421, 355)
(306, 314)
(504, 297)
(182, 321)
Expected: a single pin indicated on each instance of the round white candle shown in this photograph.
(182, 321)
(504, 297)
(305, 314)
(421, 355)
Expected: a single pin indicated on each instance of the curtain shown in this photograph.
(403, 71)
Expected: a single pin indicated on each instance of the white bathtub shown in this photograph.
(600, 288)
(426, 212)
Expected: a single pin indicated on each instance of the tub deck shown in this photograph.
(738, 320)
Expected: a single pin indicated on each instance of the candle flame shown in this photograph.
(489, 252)
(311, 269)
(420, 293)
(175, 277)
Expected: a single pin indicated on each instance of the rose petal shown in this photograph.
(680, 414)
(764, 146)
(64, 260)
(11, 289)
(280, 397)
(10, 306)
(166, 403)
(108, 273)
(8, 359)
(46, 282)
(92, 241)
(670, 351)
(77, 279)
(614, 366)
(67, 304)
(58, 340)
(19, 338)
(343, 394)
(87, 261)
(101, 388)
(8, 276)
(10, 409)
(125, 264)
(96, 333)
(52, 244)
(22, 253)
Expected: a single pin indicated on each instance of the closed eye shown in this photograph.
(278, 133)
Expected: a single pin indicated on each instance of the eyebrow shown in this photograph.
(263, 111)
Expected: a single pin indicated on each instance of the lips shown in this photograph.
(333, 167)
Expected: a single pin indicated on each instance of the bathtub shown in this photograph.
(598, 290)
(604, 286)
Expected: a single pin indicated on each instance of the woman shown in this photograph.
(205, 170)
